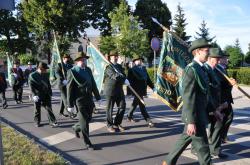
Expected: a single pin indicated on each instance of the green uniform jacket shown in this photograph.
(40, 85)
(139, 79)
(214, 89)
(3, 83)
(113, 81)
(195, 95)
(226, 87)
(59, 74)
(19, 80)
(81, 87)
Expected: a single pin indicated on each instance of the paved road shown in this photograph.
(138, 145)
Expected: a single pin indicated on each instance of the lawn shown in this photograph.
(20, 150)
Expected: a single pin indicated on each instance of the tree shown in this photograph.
(67, 18)
(237, 46)
(107, 43)
(99, 15)
(235, 56)
(145, 9)
(7, 29)
(247, 57)
(204, 32)
(128, 38)
(179, 26)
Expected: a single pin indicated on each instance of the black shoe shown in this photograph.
(131, 119)
(150, 124)
(20, 102)
(37, 124)
(90, 147)
(119, 127)
(5, 106)
(64, 115)
(17, 102)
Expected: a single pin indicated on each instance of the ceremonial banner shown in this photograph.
(97, 63)
(55, 59)
(9, 67)
(173, 59)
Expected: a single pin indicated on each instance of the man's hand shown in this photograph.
(126, 82)
(191, 129)
(219, 116)
(65, 82)
(233, 81)
(71, 110)
(35, 99)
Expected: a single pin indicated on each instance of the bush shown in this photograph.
(242, 75)
(25, 58)
(151, 73)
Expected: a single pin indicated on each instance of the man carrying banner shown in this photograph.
(80, 86)
(226, 95)
(27, 72)
(42, 92)
(194, 112)
(61, 75)
(139, 79)
(214, 104)
(113, 89)
(17, 80)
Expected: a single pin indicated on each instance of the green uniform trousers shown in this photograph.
(228, 119)
(199, 142)
(47, 105)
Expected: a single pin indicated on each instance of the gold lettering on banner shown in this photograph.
(163, 90)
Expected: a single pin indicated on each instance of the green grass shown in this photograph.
(22, 151)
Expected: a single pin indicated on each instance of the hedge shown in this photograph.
(242, 75)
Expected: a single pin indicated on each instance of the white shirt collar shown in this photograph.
(200, 63)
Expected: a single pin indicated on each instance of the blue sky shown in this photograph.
(226, 19)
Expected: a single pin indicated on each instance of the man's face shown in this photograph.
(114, 59)
(65, 60)
(202, 54)
(213, 61)
(138, 62)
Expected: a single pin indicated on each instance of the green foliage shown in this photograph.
(19, 150)
(145, 9)
(107, 43)
(25, 58)
(128, 37)
(99, 16)
(235, 56)
(204, 32)
(179, 26)
(151, 73)
(247, 57)
(242, 75)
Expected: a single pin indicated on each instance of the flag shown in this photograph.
(55, 59)
(97, 63)
(7, 4)
(173, 59)
(9, 67)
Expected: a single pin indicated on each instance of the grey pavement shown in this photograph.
(137, 145)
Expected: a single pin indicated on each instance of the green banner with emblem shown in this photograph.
(174, 57)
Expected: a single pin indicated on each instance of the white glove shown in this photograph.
(35, 99)
(15, 75)
(72, 110)
(64, 82)
(126, 82)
